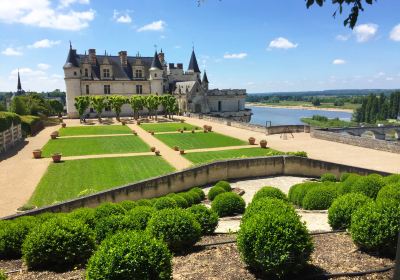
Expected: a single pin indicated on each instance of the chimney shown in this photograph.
(161, 57)
(123, 56)
(179, 65)
(171, 66)
(92, 56)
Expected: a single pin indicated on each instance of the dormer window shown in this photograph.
(139, 74)
(106, 73)
(86, 72)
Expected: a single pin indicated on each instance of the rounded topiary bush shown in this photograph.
(297, 192)
(108, 226)
(3, 276)
(130, 255)
(108, 209)
(267, 205)
(165, 202)
(214, 191)
(189, 198)
(225, 185)
(13, 234)
(196, 196)
(180, 201)
(228, 204)
(375, 226)
(368, 185)
(128, 204)
(274, 244)
(144, 202)
(344, 176)
(200, 192)
(320, 198)
(270, 192)
(328, 177)
(138, 217)
(58, 244)
(207, 218)
(85, 215)
(391, 191)
(177, 227)
(339, 214)
(392, 179)
(347, 184)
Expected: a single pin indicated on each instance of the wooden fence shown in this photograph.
(10, 137)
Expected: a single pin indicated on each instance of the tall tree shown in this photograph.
(98, 102)
(81, 105)
(137, 103)
(116, 102)
(152, 102)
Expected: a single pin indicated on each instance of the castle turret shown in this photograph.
(156, 75)
(194, 66)
(204, 82)
(72, 78)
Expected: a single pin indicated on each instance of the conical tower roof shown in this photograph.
(19, 87)
(156, 64)
(193, 65)
(205, 78)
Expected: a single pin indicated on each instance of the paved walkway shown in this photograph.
(219, 149)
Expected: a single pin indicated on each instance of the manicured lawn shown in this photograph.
(95, 145)
(204, 157)
(67, 179)
(167, 127)
(94, 130)
(198, 140)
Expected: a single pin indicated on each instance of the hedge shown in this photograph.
(270, 192)
(369, 185)
(328, 177)
(225, 185)
(138, 217)
(320, 198)
(3, 275)
(179, 200)
(31, 124)
(7, 119)
(391, 192)
(298, 192)
(346, 185)
(207, 218)
(266, 205)
(165, 202)
(214, 191)
(228, 204)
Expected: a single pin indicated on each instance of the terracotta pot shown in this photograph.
(153, 149)
(37, 154)
(176, 148)
(209, 128)
(205, 126)
(157, 153)
(56, 158)
(181, 130)
(54, 135)
(263, 144)
(205, 130)
(123, 123)
(252, 140)
(134, 132)
(182, 121)
(182, 152)
(193, 131)
(152, 133)
(63, 125)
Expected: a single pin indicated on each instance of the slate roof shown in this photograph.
(205, 78)
(193, 63)
(156, 64)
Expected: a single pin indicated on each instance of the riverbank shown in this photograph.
(254, 104)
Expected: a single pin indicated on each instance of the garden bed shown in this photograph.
(168, 127)
(94, 130)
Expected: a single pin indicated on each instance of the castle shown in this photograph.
(92, 74)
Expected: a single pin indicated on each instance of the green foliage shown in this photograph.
(108, 226)
(207, 218)
(322, 123)
(188, 197)
(339, 214)
(164, 203)
(7, 119)
(177, 227)
(298, 154)
(56, 107)
(144, 202)
(392, 179)
(375, 226)
(82, 103)
(391, 192)
(60, 243)
(344, 176)
(228, 204)
(98, 102)
(18, 106)
(375, 108)
(200, 192)
(196, 196)
(108, 209)
(328, 177)
(3, 275)
(116, 102)
(347, 184)
(85, 215)
(368, 185)
(128, 204)
(214, 191)
(298, 192)
(320, 198)
(225, 185)
(138, 217)
(272, 240)
(180, 201)
(269, 192)
(130, 255)
(137, 103)
(31, 124)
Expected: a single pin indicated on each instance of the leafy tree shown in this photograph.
(116, 102)
(168, 102)
(81, 104)
(18, 106)
(98, 102)
(151, 103)
(137, 103)
(316, 101)
(56, 107)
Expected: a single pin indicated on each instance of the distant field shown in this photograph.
(198, 140)
(94, 130)
(347, 106)
(328, 124)
(67, 179)
(167, 127)
(204, 157)
(95, 145)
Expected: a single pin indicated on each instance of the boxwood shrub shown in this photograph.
(138, 217)
(228, 204)
(189, 198)
(347, 184)
(130, 255)
(328, 177)
(144, 202)
(108, 226)
(267, 205)
(369, 185)
(297, 192)
(60, 243)
(391, 191)
(180, 201)
(165, 202)
(339, 214)
(128, 204)
(207, 218)
(274, 244)
(392, 179)
(177, 227)
(344, 176)
(375, 226)
(200, 192)
(270, 192)
(214, 191)
(225, 185)
(196, 196)
(86, 215)
(320, 198)
(108, 209)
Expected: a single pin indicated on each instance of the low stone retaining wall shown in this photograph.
(370, 143)
(278, 129)
(204, 175)
(10, 137)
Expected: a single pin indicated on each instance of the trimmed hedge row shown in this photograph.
(7, 119)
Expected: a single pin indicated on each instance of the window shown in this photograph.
(86, 72)
(219, 106)
(75, 73)
(155, 75)
(139, 74)
(107, 89)
(106, 73)
(139, 89)
(87, 89)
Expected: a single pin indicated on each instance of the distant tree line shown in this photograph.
(378, 108)
(315, 100)
(35, 104)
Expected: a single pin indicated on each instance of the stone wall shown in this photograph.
(230, 170)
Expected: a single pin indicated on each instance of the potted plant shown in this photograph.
(181, 130)
(205, 126)
(153, 149)
(56, 157)
(63, 125)
(54, 135)
(193, 131)
(123, 122)
(252, 140)
(263, 143)
(37, 153)
(182, 120)
(209, 128)
(182, 151)
(134, 132)
(157, 152)
(152, 132)
(205, 130)
(176, 148)
(138, 122)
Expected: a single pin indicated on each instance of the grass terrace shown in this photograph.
(94, 130)
(66, 180)
(205, 157)
(168, 127)
(199, 140)
(95, 145)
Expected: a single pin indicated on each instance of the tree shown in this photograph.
(152, 102)
(81, 104)
(116, 102)
(56, 107)
(18, 106)
(98, 103)
(137, 103)
(316, 102)
(170, 105)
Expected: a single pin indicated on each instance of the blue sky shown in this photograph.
(263, 46)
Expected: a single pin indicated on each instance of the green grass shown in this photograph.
(67, 179)
(78, 146)
(167, 127)
(198, 140)
(94, 130)
(330, 123)
(204, 157)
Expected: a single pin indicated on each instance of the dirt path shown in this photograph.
(220, 149)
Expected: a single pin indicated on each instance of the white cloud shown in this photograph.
(11, 52)
(32, 80)
(235, 55)
(45, 43)
(343, 37)
(122, 17)
(39, 13)
(389, 79)
(154, 26)
(281, 43)
(365, 32)
(43, 66)
(339, 61)
(66, 3)
(395, 33)
(26, 71)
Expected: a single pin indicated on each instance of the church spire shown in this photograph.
(193, 65)
(19, 87)
(205, 78)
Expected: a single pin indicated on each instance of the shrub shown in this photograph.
(196, 197)
(267, 205)
(328, 177)
(177, 227)
(130, 255)
(12, 235)
(274, 243)
(391, 191)
(270, 192)
(392, 179)
(108, 209)
(214, 191)
(227, 204)
(298, 154)
(375, 226)
(180, 201)
(85, 215)
(31, 124)
(144, 202)
(108, 226)
(165, 202)
(138, 217)
(320, 198)
(3, 276)
(346, 185)
(127, 204)
(7, 119)
(200, 192)
(344, 176)
(189, 198)
(57, 244)
(298, 192)
(368, 185)
(207, 218)
(225, 185)
(339, 214)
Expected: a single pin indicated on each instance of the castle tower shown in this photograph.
(156, 76)
(194, 66)
(72, 77)
(204, 82)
